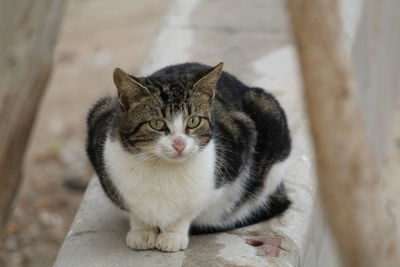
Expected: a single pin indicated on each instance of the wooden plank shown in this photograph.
(349, 180)
(28, 31)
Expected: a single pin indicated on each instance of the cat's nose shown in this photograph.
(179, 144)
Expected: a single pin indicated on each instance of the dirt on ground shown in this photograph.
(96, 36)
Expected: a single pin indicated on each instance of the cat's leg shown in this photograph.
(174, 237)
(141, 236)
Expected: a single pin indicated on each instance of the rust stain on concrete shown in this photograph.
(266, 245)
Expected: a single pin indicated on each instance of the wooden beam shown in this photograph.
(28, 31)
(349, 181)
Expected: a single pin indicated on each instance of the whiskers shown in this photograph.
(146, 160)
(224, 138)
(226, 158)
(223, 168)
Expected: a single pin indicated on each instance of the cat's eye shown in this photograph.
(157, 125)
(193, 122)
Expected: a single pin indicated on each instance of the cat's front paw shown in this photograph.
(141, 239)
(171, 242)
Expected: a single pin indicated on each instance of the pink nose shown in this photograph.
(178, 144)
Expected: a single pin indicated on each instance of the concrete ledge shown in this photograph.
(254, 43)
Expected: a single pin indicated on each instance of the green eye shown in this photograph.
(157, 125)
(193, 122)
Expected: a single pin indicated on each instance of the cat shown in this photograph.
(189, 149)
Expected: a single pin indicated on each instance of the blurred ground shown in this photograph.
(96, 37)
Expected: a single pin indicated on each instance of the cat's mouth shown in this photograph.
(160, 158)
(176, 158)
(173, 157)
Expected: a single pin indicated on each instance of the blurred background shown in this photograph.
(95, 37)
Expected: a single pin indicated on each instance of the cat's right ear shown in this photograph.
(129, 90)
(208, 82)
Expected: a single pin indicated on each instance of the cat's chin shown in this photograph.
(175, 158)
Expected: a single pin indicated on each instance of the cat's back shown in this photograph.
(182, 69)
(101, 110)
(99, 120)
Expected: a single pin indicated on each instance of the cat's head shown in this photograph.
(166, 117)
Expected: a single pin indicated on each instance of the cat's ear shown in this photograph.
(129, 89)
(208, 82)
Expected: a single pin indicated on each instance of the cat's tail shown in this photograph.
(274, 205)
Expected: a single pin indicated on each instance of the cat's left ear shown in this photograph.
(208, 83)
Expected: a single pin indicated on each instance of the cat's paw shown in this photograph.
(141, 239)
(171, 242)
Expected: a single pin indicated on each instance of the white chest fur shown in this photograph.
(159, 194)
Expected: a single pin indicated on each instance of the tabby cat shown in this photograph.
(189, 149)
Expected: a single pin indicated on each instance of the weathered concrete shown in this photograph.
(254, 42)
